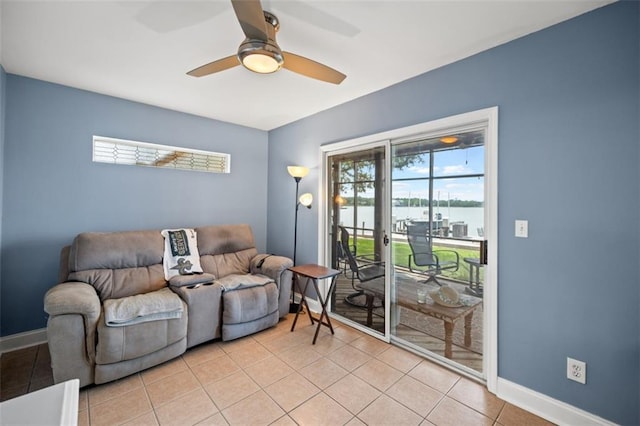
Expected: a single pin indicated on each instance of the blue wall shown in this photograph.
(569, 140)
(52, 189)
(568, 162)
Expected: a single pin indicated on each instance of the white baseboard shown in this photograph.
(546, 407)
(23, 340)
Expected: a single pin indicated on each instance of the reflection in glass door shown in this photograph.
(356, 212)
(437, 229)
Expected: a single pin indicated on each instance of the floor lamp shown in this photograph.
(298, 172)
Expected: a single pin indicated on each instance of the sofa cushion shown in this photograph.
(236, 281)
(225, 264)
(249, 303)
(153, 306)
(248, 310)
(118, 264)
(226, 249)
(224, 239)
(117, 344)
(115, 250)
(117, 283)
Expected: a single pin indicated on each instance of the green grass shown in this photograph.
(401, 252)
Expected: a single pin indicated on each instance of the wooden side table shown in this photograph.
(313, 273)
(406, 297)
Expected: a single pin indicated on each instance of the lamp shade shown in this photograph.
(298, 171)
(306, 199)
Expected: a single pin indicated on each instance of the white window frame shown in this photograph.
(135, 153)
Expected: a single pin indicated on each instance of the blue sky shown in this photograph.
(448, 166)
(448, 163)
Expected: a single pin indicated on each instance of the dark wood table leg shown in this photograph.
(370, 299)
(467, 329)
(448, 339)
(303, 302)
(323, 305)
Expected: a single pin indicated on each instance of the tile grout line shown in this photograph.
(146, 393)
(33, 368)
(294, 371)
(222, 378)
(243, 370)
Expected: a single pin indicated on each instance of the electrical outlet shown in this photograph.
(577, 370)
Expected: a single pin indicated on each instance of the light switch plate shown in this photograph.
(522, 228)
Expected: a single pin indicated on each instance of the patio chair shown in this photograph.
(424, 260)
(363, 268)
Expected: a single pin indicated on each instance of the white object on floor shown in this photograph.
(54, 405)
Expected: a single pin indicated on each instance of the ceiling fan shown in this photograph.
(260, 53)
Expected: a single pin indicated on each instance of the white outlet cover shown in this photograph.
(577, 370)
(522, 228)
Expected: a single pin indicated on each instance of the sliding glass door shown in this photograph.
(356, 218)
(437, 228)
(410, 221)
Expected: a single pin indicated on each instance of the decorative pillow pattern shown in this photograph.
(181, 255)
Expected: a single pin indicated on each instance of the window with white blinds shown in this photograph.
(133, 153)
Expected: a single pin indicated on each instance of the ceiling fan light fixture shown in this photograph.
(260, 53)
(260, 63)
(260, 57)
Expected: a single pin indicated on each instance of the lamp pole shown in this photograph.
(295, 229)
(297, 172)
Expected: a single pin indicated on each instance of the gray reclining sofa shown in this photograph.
(248, 292)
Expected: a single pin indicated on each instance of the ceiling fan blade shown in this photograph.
(164, 16)
(215, 66)
(313, 69)
(314, 16)
(251, 18)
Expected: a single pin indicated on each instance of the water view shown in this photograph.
(472, 217)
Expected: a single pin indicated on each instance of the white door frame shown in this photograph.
(323, 236)
(488, 117)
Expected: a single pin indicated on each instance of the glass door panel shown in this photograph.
(356, 212)
(437, 224)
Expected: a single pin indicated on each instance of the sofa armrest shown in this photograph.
(74, 311)
(270, 265)
(73, 298)
(276, 268)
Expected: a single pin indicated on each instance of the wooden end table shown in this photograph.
(406, 297)
(312, 273)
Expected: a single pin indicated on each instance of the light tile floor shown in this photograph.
(277, 377)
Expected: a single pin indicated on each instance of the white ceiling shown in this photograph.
(142, 50)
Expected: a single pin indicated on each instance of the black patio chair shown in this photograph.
(363, 268)
(424, 260)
